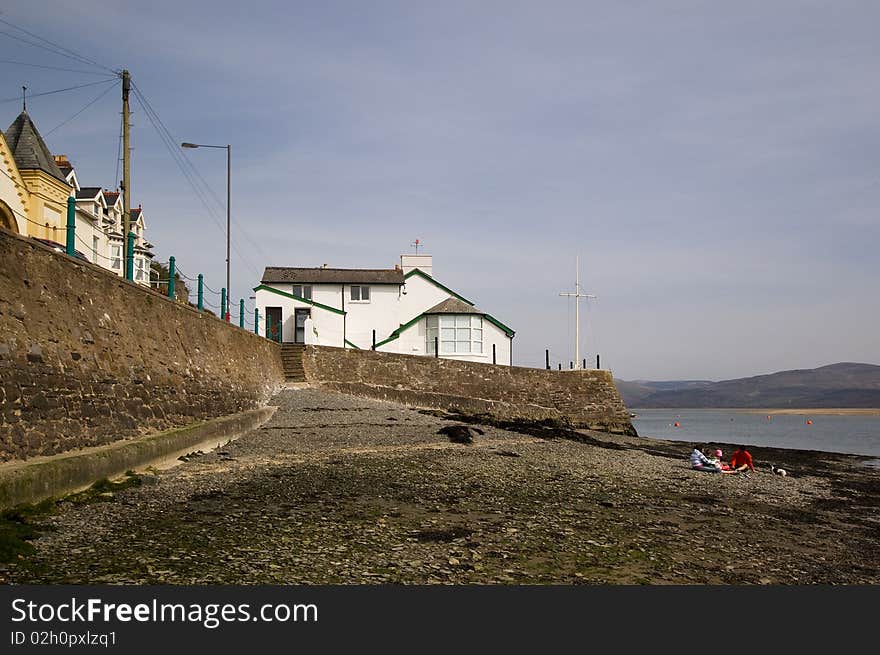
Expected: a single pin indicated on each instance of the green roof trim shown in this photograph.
(399, 330)
(349, 343)
(501, 326)
(427, 277)
(263, 287)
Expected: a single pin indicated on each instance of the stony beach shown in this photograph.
(340, 490)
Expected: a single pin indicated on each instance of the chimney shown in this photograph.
(425, 263)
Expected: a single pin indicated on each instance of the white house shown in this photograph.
(404, 309)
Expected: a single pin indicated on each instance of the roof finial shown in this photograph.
(24, 98)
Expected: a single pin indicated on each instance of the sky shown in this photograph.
(714, 166)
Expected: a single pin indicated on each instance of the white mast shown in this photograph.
(577, 295)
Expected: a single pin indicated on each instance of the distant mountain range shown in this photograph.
(837, 385)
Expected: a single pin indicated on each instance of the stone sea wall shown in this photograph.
(87, 358)
(583, 399)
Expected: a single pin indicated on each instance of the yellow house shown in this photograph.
(45, 188)
(13, 193)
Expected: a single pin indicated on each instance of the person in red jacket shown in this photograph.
(742, 460)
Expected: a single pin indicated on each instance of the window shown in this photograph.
(116, 257)
(139, 269)
(458, 334)
(360, 294)
(303, 291)
(94, 250)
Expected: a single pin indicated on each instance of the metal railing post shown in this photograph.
(171, 273)
(129, 258)
(241, 313)
(256, 320)
(71, 226)
(201, 292)
(223, 304)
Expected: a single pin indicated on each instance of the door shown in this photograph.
(300, 316)
(273, 323)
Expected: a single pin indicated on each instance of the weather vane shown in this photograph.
(416, 245)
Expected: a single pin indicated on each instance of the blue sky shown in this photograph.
(716, 166)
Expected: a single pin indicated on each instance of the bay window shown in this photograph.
(458, 334)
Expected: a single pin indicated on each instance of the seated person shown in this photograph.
(742, 460)
(699, 462)
(718, 460)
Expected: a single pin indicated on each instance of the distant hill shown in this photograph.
(836, 385)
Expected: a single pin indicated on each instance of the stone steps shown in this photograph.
(291, 362)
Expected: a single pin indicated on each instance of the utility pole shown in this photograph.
(577, 295)
(126, 163)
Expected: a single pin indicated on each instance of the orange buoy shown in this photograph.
(809, 421)
(677, 424)
(768, 417)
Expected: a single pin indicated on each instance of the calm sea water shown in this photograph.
(858, 435)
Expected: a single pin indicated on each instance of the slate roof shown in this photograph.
(278, 274)
(29, 149)
(454, 306)
(88, 193)
(111, 196)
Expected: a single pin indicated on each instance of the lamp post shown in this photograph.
(228, 209)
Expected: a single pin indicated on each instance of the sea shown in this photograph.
(854, 434)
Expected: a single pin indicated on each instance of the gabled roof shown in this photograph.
(88, 193)
(29, 149)
(276, 274)
(135, 214)
(420, 273)
(453, 306)
(111, 197)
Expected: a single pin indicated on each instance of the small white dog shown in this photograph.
(778, 471)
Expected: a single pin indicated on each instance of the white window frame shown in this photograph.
(360, 293)
(115, 257)
(139, 269)
(460, 339)
(305, 291)
(94, 249)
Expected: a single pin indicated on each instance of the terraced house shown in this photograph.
(34, 188)
(403, 310)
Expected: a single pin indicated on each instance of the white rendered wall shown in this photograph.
(328, 324)
(380, 313)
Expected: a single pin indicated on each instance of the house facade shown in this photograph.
(34, 188)
(402, 310)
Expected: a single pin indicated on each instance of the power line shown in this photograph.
(101, 95)
(48, 93)
(53, 68)
(53, 47)
(187, 168)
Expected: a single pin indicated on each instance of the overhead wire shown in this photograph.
(52, 46)
(189, 171)
(48, 93)
(101, 95)
(55, 68)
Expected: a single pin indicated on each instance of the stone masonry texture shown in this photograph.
(581, 399)
(87, 358)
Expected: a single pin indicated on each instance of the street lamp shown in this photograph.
(228, 205)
